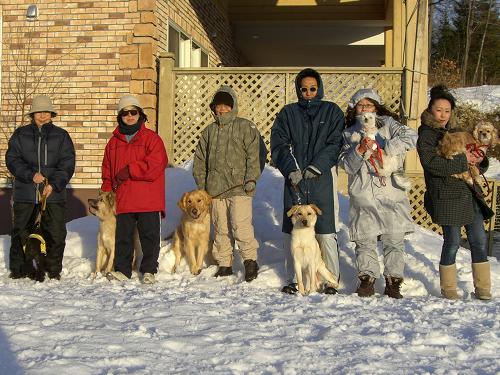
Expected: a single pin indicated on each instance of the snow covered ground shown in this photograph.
(203, 325)
(486, 98)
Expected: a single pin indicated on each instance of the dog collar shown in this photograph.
(43, 246)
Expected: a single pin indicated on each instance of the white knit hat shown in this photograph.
(365, 94)
(128, 101)
(42, 103)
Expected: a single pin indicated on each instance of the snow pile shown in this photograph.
(486, 98)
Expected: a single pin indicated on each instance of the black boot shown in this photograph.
(392, 287)
(366, 287)
(17, 274)
(290, 288)
(329, 290)
(224, 271)
(251, 270)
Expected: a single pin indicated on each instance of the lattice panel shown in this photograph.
(420, 216)
(261, 94)
(339, 87)
(260, 97)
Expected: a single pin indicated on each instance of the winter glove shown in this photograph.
(249, 186)
(311, 172)
(122, 176)
(380, 141)
(295, 177)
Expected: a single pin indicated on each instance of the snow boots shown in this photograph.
(224, 271)
(366, 287)
(448, 281)
(482, 280)
(392, 287)
(251, 270)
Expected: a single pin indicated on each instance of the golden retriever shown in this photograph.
(104, 208)
(305, 249)
(192, 236)
(483, 136)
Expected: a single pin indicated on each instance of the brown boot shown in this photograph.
(448, 280)
(482, 280)
(392, 287)
(366, 287)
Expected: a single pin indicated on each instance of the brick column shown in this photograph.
(139, 55)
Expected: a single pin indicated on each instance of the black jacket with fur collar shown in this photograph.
(448, 200)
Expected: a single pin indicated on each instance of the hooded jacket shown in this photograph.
(147, 159)
(375, 209)
(49, 151)
(448, 200)
(308, 133)
(227, 155)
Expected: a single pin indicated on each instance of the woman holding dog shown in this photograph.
(378, 206)
(450, 201)
(41, 157)
(306, 139)
(134, 168)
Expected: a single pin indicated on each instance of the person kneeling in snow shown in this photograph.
(227, 166)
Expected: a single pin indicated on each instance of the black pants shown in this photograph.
(148, 225)
(53, 228)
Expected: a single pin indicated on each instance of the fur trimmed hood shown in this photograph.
(428, 119)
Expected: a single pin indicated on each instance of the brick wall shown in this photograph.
(87, 54)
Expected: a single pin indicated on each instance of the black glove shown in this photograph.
(295, 177)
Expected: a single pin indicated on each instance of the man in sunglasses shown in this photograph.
(133, 167)
(306, 139)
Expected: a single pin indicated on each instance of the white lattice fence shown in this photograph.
(261, 94)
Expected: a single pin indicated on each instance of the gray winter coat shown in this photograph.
(448, 200)
(375, 209)
(227, 154)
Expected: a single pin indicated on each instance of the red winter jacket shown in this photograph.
(147, 159)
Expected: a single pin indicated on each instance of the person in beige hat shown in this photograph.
(41, 157)
(133, 167)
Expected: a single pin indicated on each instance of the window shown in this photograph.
(188, 54)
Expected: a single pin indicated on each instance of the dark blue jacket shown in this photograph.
(49, 151)
(305, 133)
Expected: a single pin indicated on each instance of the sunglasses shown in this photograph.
(310, 89)
(131, 112)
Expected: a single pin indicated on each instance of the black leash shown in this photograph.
(234, 187)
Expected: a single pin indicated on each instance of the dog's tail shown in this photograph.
(327, 275)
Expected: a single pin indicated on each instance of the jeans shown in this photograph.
(476, 236)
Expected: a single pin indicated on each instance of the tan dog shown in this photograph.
(104, 207)
(305, 249)
(192, 236)
(484, 136)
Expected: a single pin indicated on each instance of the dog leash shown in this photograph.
(377, 156)
(42, 201)
(234, 187)
(476, 149)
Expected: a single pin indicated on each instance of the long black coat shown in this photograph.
(448, 200)
(305, 133)
(49, 151)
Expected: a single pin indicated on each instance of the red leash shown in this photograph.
(377, 157)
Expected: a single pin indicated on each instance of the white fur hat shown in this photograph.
(365, 94)
(128, 101)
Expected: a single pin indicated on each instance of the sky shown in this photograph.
(188, 324)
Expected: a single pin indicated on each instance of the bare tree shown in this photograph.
(474, 79)
(468, 36)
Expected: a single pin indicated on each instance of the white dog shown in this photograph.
(386, 165)
(305, 249)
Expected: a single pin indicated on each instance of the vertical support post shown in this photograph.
(416, 69)
(166, 105)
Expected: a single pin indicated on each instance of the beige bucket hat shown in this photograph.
(42, 103)
(128, 101)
